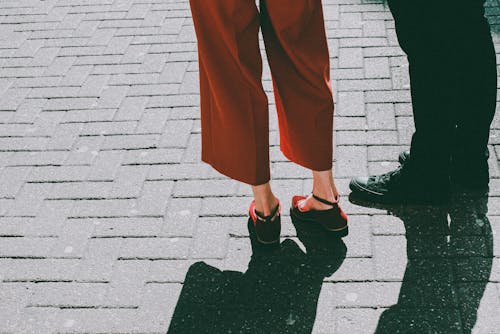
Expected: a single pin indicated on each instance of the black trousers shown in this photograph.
(453, 80)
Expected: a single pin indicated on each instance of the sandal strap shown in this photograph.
(322, 200)
(271, 215)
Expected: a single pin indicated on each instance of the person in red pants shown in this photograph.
(234, 106)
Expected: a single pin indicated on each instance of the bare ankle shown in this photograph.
(324, 186)
(266, 206)
(265, 201)
(328, 196)
(328, 192)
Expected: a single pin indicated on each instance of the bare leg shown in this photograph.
(265, 201)
(324, 187)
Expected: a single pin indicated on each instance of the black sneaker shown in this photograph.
(401, 187)
(464, 178)
(404, 156)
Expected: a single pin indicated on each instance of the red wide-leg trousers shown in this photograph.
(234, 106)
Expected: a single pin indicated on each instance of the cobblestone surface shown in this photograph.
(105, 205)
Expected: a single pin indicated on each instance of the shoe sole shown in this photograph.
(341, 232)
(356, 187)
(357, 199)
(266, 242)
(373, 197)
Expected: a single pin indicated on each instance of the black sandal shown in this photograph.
(333, 220)
(267, 228)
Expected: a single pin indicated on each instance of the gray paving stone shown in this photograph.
(390, 257)
(135, 141)
(359, 241)
(377, 67)
(375, 28)
(178, 171)
(51, 216)
(204, 188)
(58, 173)
(127, 282)
(350, 57)
(29, 199)
(12, 179)
(132, 108)
(350, 104)
(361, 295)
(73, 239)
(354, 269)
(155, 248)
(104, 208)
(210, 240)
(182, 216)
(151, 89)
(350, 20)
(128, 181)
(348, 161)
(154, 156)
(364, 85)
(13, 97)
(127, 227)
(158, 305)
(60, 65)
(153, 197)
(381, 117)
(169, 271)
(356, 320)
(105, 165)
(26, 247)
(67, 294)
(106, 320)
(79, 190)
(176, 133)
(95, 129)
(99, 260)
(111, 97)
(14, 299)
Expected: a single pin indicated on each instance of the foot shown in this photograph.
(332, 218)
(401, 186)
(260, 211)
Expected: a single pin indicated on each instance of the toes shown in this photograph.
(302, 205)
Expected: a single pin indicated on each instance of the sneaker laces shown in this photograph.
(389, 177)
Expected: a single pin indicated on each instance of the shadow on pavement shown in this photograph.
(450, 254)
(277, 294)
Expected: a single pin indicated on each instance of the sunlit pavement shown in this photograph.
(110, 223)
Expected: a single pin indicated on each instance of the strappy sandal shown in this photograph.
(267, 228)
(333, 220)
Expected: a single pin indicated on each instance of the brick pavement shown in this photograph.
(105, 205)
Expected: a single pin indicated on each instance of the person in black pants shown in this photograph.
(453, 80)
